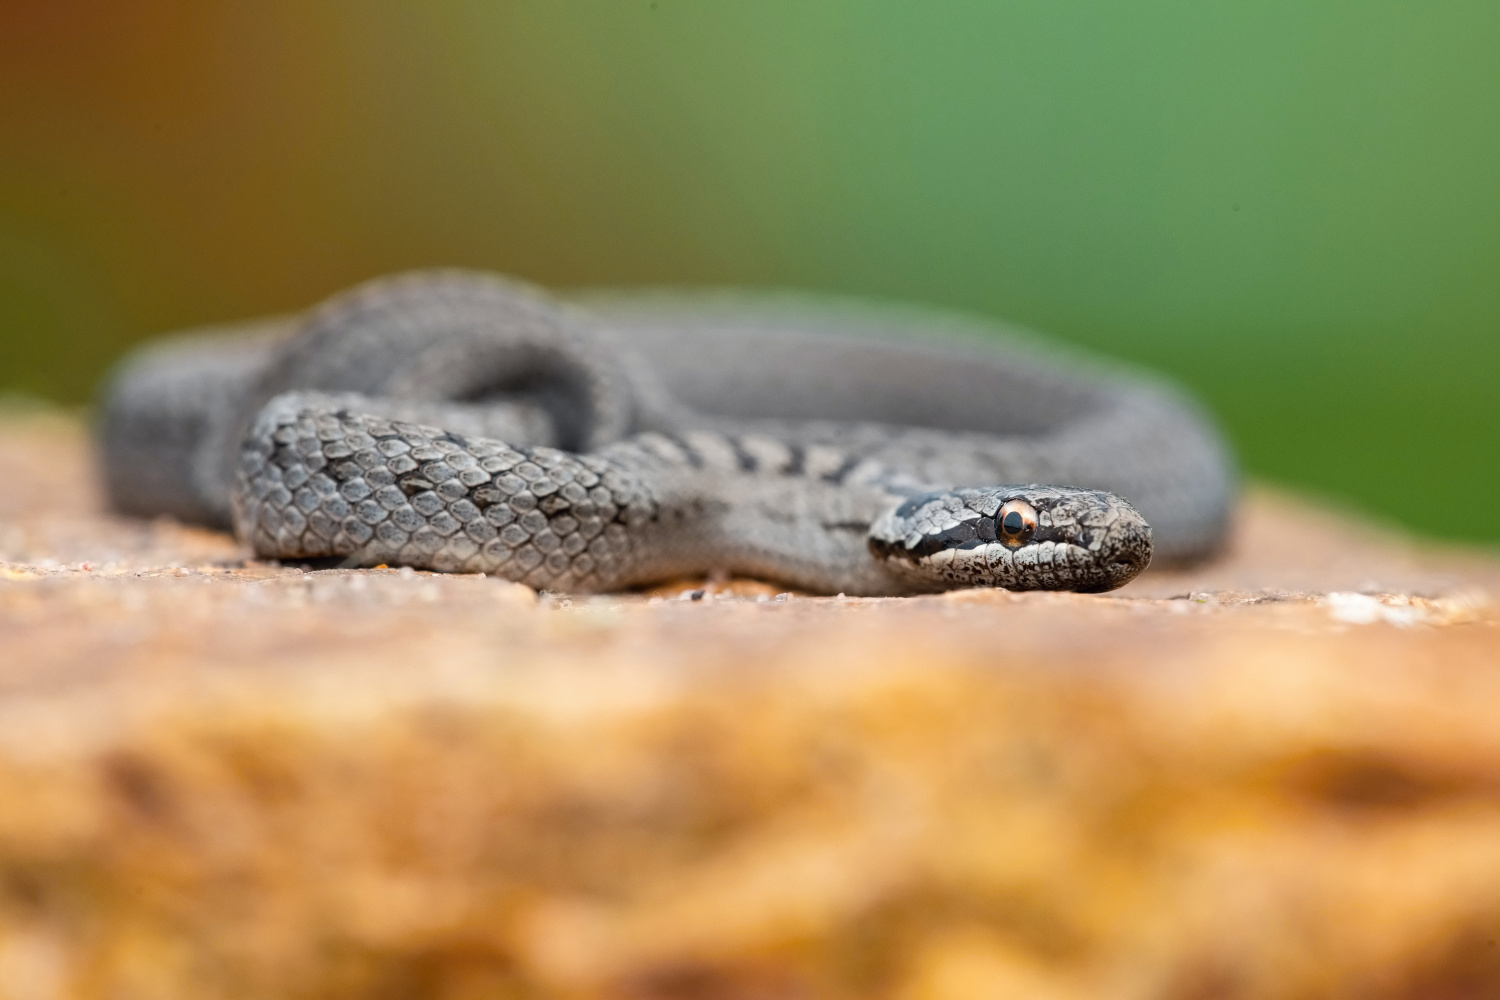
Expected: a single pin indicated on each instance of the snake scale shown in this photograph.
(460, 421)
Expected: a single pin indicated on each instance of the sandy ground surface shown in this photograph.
(1275, 776)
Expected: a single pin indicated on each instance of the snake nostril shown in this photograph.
(1129, 564)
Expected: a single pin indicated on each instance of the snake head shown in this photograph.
(1016, 537)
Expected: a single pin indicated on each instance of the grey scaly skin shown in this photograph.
(460, 422)
(320, 479)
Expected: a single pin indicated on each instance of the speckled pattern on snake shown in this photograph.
(467, 422)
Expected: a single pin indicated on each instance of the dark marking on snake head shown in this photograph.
(957, 536)
(910, 506)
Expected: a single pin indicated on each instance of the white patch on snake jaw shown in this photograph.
(995, 564)
(943, 557)
(996, 554)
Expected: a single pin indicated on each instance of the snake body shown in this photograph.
(459, 421)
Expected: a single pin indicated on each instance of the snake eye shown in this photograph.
(1015, 523)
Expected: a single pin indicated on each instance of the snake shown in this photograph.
(605, 440)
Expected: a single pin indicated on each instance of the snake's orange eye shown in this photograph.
(1015, 523)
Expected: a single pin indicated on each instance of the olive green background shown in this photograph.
(1293, 208)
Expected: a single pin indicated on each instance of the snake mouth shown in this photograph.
(1114, 574)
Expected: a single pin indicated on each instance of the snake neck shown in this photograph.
(758, 506)
(316, 482)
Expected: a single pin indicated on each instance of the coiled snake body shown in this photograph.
(458, 421)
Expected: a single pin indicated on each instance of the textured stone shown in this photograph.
(1273, 777)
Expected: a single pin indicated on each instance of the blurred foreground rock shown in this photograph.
(1276, 777)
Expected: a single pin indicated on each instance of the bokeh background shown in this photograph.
(1293, 208)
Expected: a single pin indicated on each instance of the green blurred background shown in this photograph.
(1293, 208)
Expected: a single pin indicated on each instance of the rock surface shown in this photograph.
(1277, 776)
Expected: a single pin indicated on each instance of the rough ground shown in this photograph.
(1278, 776)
